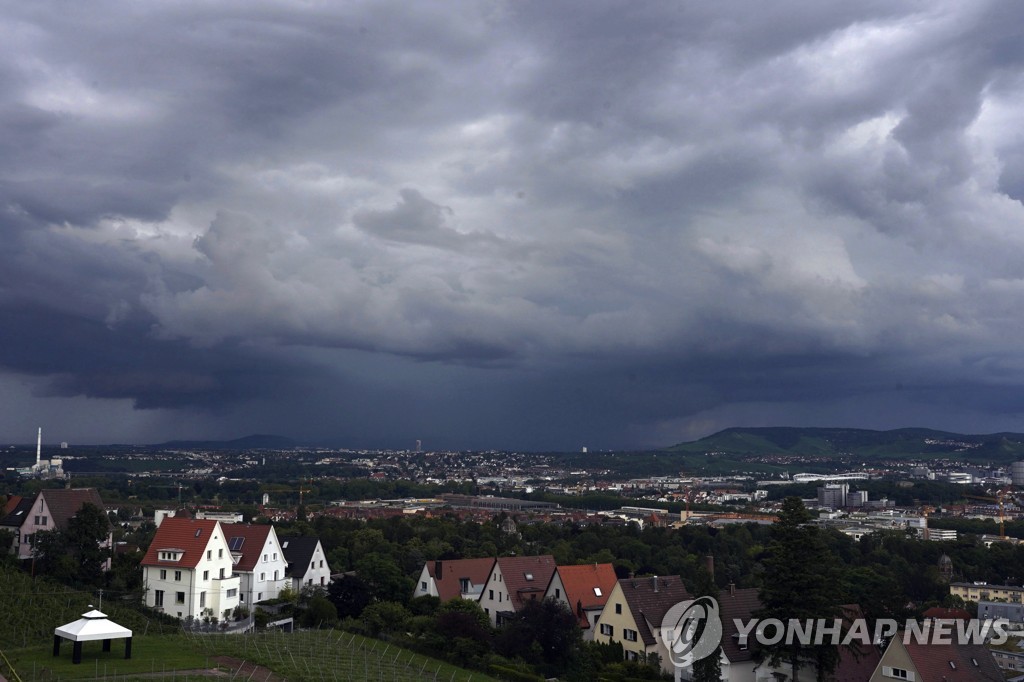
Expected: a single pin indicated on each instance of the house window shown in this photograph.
(597, 591)
(312, 564)
(177, 576)
(321, 580)
(206, 575)
(275, 556)
(264, 558)
(209, 555)
(220, 553)
(490, 594)
(179, 597)
(202, 600)
(163, 574)
(259, 596)
(222, 574)
(464, 585)
(423, 585)
(558, 593)
(499, 597)
(309, 582)
(618, 608)
(275, 575)
(321, 563)
(232, 592)
(607, 629)
(897, 673)
(629, 635)
(158, 598)
(263, 576)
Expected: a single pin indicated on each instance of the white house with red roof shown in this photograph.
(259, 561)
(188, 570)
(453, 578)
(584, 589)
(512, 582)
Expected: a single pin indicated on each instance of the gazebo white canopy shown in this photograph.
(92, 626)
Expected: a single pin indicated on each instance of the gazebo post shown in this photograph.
(76, 653)
(106, 645)
(56, 645)
(128, 647)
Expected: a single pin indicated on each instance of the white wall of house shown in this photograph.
(318, 573)
(426, 586)
(269, 576)
(494, 598)
(208, 589)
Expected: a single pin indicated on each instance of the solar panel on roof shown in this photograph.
(235, 544)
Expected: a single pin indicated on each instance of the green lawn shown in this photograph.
(312, 655)
(31, 609)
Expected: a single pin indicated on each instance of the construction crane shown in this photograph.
(998, 499)
(925, 511)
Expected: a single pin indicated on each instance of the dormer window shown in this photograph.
(170, 554)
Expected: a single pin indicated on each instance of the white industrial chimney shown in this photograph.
(39, 445)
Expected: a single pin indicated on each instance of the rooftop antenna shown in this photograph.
(39, 445)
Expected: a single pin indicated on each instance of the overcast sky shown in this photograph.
(539, 225)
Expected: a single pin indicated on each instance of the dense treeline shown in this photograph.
(393, 551)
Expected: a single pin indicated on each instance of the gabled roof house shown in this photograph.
(585, 590)
(49, 510)
(258, 560)
(633, 613)
(453, 578)
(188, 570)
(307, 563)
(514, 580)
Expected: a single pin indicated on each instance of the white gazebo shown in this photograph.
(92, 626)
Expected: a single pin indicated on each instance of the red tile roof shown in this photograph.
(12, 502)
(580, 583)
(733, 605)
(448, 578)
(942, 613)
(189, 535)
(64, 503)
(953, 662)
(526, 577)
(254, 539)
(649, 599)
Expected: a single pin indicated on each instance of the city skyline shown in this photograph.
(509, 224)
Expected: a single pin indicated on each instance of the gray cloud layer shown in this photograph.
(511, 223)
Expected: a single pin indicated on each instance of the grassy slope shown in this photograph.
(32, 609)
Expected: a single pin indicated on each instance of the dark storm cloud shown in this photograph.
(513, 223)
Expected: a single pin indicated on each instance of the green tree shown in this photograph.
(708, 669)
(543, 633)
(799, 583)
(385, 616)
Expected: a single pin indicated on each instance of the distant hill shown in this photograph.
(860, 443)
(253, 442)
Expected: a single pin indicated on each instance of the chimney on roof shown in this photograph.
(654, 582)
(438, 570)
(732, 589)
(709, 565)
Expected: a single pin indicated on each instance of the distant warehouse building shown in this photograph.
(495, 503)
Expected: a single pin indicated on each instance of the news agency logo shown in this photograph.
(691, 631)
